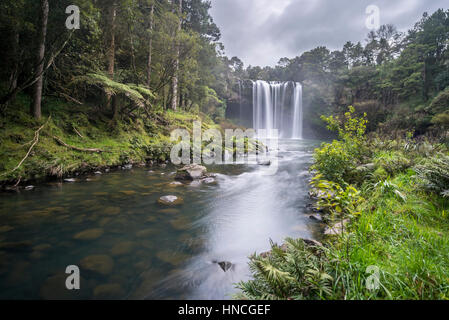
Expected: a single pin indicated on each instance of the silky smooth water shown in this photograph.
(148, 251)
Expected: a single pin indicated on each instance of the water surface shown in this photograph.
(137, 249)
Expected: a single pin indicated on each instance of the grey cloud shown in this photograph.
(261, 32)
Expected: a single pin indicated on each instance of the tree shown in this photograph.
(36, 107)
(174, 103)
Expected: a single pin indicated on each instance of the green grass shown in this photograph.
(402, 229)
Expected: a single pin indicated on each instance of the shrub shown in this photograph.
(294, 271)
(336, 160)
(433, 175)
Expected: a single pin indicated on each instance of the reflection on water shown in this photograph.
(130, 247)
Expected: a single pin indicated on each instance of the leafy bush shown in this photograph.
(294, 271)
(433, 175)
(392, 162)
(336, 160)
(335, 199)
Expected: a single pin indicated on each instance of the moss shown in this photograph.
(125, 141)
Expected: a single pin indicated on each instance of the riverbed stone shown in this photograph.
(175, 184)
(145, 233)
(4, 229)
(15, 246)
(90, 234)
(180, 223)
(128, 192)
(54, 288)
(98, 263)
(111, 211)
(42, 247)
(123, 248)
(108, 291)
(173, 258)
(169, 211)
(170, 200)
(191, 172)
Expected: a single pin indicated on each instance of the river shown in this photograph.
(129, 247)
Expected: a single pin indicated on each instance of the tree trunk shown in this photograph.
(111, 56)
(36, 109)
(150, 47)
(15, 69)
(174, 103)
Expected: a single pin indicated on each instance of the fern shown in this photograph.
(433, 175)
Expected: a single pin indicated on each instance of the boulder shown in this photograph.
(191, 172)
(170, 200)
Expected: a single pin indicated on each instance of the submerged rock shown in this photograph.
(90, 234)
(108, 291)
(29, 188)
(122, 248)
(175, 184)
(98, 263)
(191, 172)
(4, 229)
(54, 288)
(170, 200)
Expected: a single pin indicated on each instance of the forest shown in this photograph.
(85, 99)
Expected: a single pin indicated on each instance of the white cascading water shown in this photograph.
(271, 112)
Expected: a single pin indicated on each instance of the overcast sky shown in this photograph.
(260, 32)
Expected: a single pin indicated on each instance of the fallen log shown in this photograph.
(95, 150)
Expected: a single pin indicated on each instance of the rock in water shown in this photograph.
(170, 201)
(225, 265)
(264, 162)
(316, 217)
(209, 181)
(70, 180)
(191, 172)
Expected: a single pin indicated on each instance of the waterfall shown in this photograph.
(271, 108)
(297, 112)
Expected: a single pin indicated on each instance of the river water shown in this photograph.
(129, 247)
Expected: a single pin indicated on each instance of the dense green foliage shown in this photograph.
(398, 79)
(388, 204)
